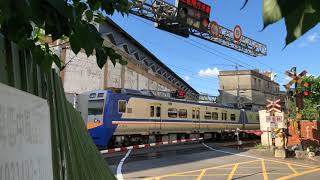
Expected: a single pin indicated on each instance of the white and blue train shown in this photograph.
(122, 117)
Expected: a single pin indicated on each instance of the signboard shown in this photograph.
(274, 119)
(25, 138)
(237, 33)
(194, 13)
(273, 106)
(214, 29)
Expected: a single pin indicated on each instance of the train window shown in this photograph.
(95, 107)
(122, 105)
(224, 116)
(100, 95)
(183, 113)
(193, 114)
(172, 112)
(158, 111)
(215, 116)
(207, 115)
(151, 111)
(257, 117)
(198, 114)
(233, 117)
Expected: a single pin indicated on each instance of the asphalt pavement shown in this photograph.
(205, 161)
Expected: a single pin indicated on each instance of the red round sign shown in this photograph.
(237, 33)
(214, 29)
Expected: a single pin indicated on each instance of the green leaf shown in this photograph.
(274, 10)
(75, 43)
(89, 15)
(302, 20)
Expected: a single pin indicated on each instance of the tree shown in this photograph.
(299, 15)
(311, 89)
(26, 22)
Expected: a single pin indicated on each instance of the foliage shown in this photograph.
(25, 21)
(299, 15)
(310, 111)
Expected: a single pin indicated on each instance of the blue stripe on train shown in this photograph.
(178, 121)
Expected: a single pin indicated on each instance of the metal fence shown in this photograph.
(73, 151)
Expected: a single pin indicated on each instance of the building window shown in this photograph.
(158, 111)
(254, 81)
(215, 116)
(183, 113)
(136, 55)
(233, 117)
(207, 115)
(193, 114)
(259, 83)
(122, 105)
(172, 112)
(224, 116)
(126, 49)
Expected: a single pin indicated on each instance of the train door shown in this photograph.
(196, 118)
(155, 115)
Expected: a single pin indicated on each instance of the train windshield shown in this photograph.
(95, 107)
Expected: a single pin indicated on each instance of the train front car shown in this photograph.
(97, 124)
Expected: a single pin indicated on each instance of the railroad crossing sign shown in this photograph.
(295, 79)
(273, 106)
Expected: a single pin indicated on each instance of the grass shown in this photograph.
(259, 146)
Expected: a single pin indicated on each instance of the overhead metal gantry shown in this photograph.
(165, 15)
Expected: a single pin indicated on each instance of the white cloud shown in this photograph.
(313, 38)
(214, 72)
(187, 78)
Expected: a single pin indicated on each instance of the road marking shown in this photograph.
(119, 168)
(264, 171)
(299, 174)
(201, 174)
(292, 169)
(233, 171)
(227, 152)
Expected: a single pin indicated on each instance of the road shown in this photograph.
(205, 161)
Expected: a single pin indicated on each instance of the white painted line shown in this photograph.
(119, 168)
(152, 144)
(130, 147)
(104, 151)
(227, 152)
(165, 142)
(183, 140)
(175, 141)
(117, 149)
(141, 146)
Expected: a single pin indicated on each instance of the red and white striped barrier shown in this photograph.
(148, 145)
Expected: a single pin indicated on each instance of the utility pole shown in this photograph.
(238, 85)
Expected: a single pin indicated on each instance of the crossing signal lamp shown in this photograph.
(306, 93)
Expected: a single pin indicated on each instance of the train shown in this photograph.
(122, 117)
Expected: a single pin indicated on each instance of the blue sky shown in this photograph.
(199, 66)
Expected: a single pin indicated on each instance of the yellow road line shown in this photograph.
(264, 171)
(299, 174)
(292, 169)
(201, 174)
(233, 171)
(199, 170)
(286, 162)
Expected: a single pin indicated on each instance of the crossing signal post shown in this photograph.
(297, 79)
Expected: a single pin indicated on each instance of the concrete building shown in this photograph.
(254, 88)
(143, 71)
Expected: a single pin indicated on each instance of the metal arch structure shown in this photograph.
(165, 14)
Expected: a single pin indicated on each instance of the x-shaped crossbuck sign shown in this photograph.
(295, 78)
(273, 105)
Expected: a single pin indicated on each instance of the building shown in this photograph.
(143, 71)
(254, 88)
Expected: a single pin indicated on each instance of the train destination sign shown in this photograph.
(274, 119)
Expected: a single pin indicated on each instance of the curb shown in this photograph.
(148, 145)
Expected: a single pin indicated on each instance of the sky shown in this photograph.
(198, 62)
